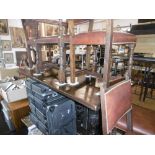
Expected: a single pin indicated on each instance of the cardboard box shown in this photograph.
(12, 95)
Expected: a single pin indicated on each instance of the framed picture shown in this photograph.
(48, 30)
(1, 51)
(6, 45)
(52, 30)
(21, 58)
(18, 37)
(4, 27)
(8, 58)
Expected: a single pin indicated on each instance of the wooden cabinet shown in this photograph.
(18, 110)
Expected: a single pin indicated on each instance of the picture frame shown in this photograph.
(49, 30)
(20, 55)
(4, 27)
(6, 45)
(1, 51)
(52, 30)
(8, 58)
(17, 37)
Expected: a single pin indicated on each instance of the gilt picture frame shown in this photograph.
(4, 27)
(17, 37)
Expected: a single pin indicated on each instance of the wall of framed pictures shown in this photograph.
(12, 39)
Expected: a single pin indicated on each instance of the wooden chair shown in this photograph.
(115, 103)
(148, 82)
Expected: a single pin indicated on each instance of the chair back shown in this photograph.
(115, 103)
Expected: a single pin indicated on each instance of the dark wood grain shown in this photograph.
(84, 93)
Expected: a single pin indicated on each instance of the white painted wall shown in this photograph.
(13, 23)
(101, 25)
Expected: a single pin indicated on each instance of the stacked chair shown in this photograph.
(51, 112)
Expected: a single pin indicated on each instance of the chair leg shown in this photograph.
(136, 88)
(145, 93)
(129, 120)
(141, 92)
(151, 92)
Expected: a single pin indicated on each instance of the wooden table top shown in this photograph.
(85, 93)
(144, 59)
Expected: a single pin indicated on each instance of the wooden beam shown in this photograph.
(95, 59)
(88, 57)
(103, 108)
(106, 74)
(80, 21)
(38, 59)
(107, 55)
(91, 24)
(51, 40)
(72, 50)
(29, 56)
(90, 28)
(49, 53)
(28, 46)
(61, 73)
(48, 21)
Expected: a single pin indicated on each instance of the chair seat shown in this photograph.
(143, 121)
